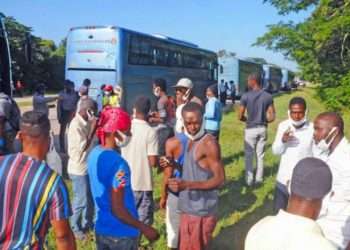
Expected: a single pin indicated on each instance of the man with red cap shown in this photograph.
(117, 225)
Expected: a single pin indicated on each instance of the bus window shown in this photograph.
(221, 69)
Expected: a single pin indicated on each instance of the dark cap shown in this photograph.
(311, 179)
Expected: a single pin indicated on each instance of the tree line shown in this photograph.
(46, 62)
(320, 45)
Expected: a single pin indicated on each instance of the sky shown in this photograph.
(233, 25)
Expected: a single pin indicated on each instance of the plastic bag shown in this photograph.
(53, 159)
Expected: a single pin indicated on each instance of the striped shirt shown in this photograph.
(31, 195)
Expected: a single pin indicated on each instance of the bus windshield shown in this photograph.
(93, 49)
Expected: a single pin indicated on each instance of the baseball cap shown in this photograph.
(184, 83)
(108, 88)
(311, 178)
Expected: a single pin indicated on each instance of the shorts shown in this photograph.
(145, 206)
(172, 220)
(196, 231)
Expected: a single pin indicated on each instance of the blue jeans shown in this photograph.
(116, 243)
(82, 205)
(145, 206)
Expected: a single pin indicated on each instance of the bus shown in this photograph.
(131, 60)
(6, 83)
(272, 78)
(233, 69)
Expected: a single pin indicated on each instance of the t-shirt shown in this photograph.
(286, 231)
(31, 195)
(143, 143)
(256, 102)
(68, 100)
(108, 170)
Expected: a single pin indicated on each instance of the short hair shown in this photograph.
(35, 123)
(256, 76)
(87, 82)
(102, 86)
(193, 107)
(335, 119)
(87, 103)
(161, 83)
(297, 101)
(214, 89)
(142, 105)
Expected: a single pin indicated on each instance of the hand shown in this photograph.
(165, 162)
(176, 185)
(287, 136)
(150, 233)
(162, 202)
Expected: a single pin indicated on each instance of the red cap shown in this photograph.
(112, 120)
(108, 88)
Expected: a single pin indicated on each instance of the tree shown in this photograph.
(47, 60)
(320, 45)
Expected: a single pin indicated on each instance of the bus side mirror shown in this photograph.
(28, 48)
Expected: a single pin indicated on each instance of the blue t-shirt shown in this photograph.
(108, 170)
(213, 114)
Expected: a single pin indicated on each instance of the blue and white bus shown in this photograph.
(236, 71)
(117, 56)
(6, 83)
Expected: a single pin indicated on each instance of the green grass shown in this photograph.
(239, 207)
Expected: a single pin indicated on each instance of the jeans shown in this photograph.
(281, 197)
(82, 204)
(116, 243)
(145, 206)
(254, 145)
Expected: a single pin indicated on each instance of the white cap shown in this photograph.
(184, 83)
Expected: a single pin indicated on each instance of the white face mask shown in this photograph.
(297, 123)
(323, 146)
(125, 140)
(107, 93)
(197, 136)
(156, 92)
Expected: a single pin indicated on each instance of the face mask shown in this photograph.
(297, 123)
(107, 93)
(156, 92)
(186, 95)
(197, 136)
(125, 140)
(90, 115)
(323, 146)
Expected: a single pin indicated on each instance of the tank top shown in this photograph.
(197, 202)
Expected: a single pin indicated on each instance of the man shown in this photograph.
(172, 167)
(184, 91)
(202, 175)
(296, 228)
(223, 86)
(32, 196)
(9, 123)
(110, 98)
(66, 106)
(332, 147)
(141, 153)
(233, 91)
(213, 112)
(78, 139)
(40, 102)
(293, 142)
(165, 114)
(87, 83)
(117, 225)
(260, 111)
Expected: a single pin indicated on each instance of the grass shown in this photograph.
(239, 207)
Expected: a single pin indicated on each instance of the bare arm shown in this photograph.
(271, 113)
(119, 210)
(153, 161)
(64, 235)
(214, 163)
(241, 113)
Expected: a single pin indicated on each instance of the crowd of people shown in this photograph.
(112, 155)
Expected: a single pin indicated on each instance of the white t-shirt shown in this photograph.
(143, 143)
(286, 231)
(293, 151)
(335, 214)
